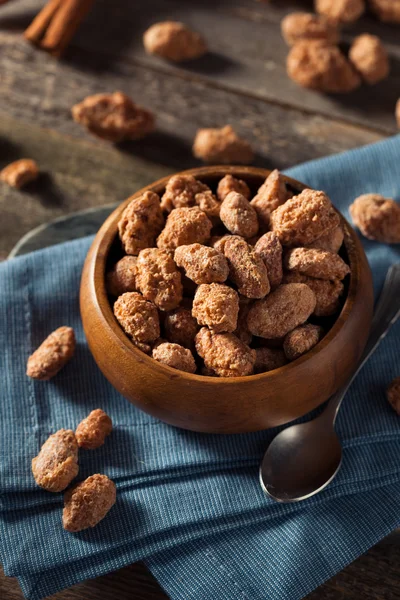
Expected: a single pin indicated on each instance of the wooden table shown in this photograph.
(243, 82)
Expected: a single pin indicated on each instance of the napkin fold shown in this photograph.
(188, 503)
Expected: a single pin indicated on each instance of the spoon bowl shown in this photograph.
(293, 470)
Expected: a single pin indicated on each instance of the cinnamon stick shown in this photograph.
(37, 28)
(55, 25)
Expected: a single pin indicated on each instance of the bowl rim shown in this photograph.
(106, 236)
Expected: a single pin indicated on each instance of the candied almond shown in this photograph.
(175, 356)
(238, 216)
(217, 306)
(231, 184)
(185, 226)
(137, 317)
(113, 117)
(122, 277)
(224, 353)
(246, 268)
(323, 67)
(284, 309)
(301, 339)
(270, 195)
(342, 11)
(202, 264)
(20, 173)
(52, 355)
(327, 293)
(181, 191)
(222, 146)
(268, 359)
(140, 223)
(158, 278)
(56, 465)
(304, 218)
(209, 204)
(181, 327)
(386, 10)
(174, 41)
(87, 503)
(269, 248)
(393, 394)
(92, 431)
(316, 263)
(331, 242)
(369, 56)
(299, 26)
(377, 218)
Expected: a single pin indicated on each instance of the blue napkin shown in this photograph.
(188, 503)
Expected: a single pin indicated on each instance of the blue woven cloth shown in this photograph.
(189, 504)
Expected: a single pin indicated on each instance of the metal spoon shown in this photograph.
(303, 459)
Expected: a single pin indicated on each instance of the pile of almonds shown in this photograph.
(315, 60)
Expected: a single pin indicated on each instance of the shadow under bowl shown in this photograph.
(225, 405)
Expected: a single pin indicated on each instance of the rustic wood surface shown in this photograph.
(242, 81)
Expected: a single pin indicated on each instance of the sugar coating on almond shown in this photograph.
(174, 41)
(222, 146)
(181, 327)
(342, 11)
(158, 278)
(122, 277)
(327, 293)
(369, 56)
(92, 431)
(298, 26)
(269, 248)
(304, 218)
(140, 223)
(202, 264)
(377, 218)
(281, 311)
(175, 356)
(217, 306)
(331, 242)
(20, 172)
(113, 117)
(181, 191)
(269, 359)
(270, 195)
(185, 226)
(137, 317)
(246, 269)
(52, 355)
(301, 340)
(316, 263)
(56, 465)
(323, 67)
(225, 354)
(238, 216)
(86, 504)
(232, 184)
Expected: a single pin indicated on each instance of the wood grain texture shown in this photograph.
(229, 405)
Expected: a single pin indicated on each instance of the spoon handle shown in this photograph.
(386, 314)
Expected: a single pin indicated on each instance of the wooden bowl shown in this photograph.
(224, 405)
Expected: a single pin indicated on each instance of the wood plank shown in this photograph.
(36, 89)
(247, 52)
(75, 174)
